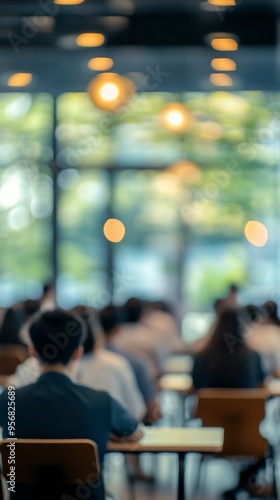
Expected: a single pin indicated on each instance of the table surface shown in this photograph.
(274, 387)
(179, 439)
(178, 364)
(178, 382)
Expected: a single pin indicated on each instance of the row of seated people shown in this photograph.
(128, 373)
(54, 407)
(241, 350)
(145, 328)
(226, 361)
(103, 366)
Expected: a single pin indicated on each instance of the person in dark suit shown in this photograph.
(56, 408)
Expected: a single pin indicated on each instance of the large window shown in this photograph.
(184, 222)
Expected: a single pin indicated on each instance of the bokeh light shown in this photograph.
(224, 44)
(19, 80)
(176, 117)
(186, 170)
(256, 233)
(114, 230)
(100, 63)
(221, 80)
(223, 64)
(90, 39)
(223, 3)
(68, 2)
(110, 91)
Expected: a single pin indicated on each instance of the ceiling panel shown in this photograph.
(39, 37)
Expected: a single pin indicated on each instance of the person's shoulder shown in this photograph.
(200, 356)
(92, 394)
(254, 355)
(138, 364)
(111, 358)
(16, 393)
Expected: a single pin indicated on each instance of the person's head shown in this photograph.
(233, 288)
(109, 318)
(218, 306)
(30, 307)
(89, 317)
(160, 305)
(269, 309)
(229, 328)
(56, 336)
(251, 314)
(48, 291)
(132, 310)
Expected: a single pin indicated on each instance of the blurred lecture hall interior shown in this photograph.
(140, 249)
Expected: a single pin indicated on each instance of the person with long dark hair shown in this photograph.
(226, 361)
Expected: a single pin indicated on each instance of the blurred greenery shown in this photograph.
(25, 194)
(189, 219)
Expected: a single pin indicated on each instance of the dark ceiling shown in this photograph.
(162, 44)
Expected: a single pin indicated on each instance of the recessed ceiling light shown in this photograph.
(222, 41)
(68, 2)
(221, 80)
(90, 39)
(19, 80)
(223, 64)
(223, 3)
(224, 44)
(100, 63)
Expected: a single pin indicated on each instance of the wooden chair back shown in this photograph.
(11, 355)
(65, 459)
(239, 412)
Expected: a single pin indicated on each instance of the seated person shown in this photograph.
(98, 368)
(14, 320)
(104, 370)
(140, 340)
(109, 319)
(227, 362)
(56, 408)
(9, 331)
(263, 334)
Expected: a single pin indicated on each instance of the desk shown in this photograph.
(178, 364)
(177, 382)
(274, 387)
(178, 440)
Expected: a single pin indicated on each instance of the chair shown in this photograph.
(239, 412)
(11, 355)
(52, 465)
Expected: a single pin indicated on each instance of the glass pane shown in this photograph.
(133, 136)
(148, 258)
(82, 254)
(25, 195)
(239, 182)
